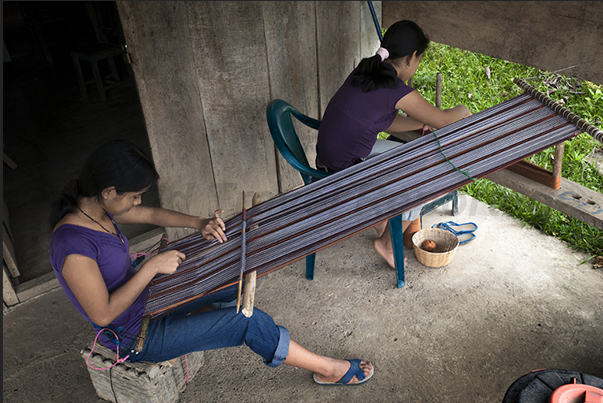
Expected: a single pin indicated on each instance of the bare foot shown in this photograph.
(386, 251)
(341, 367)
(380, 228)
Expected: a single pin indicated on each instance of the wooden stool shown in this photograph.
(93, 54)
(140, 382)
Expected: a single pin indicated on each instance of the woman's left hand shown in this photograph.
(427, 129)
(213, 228)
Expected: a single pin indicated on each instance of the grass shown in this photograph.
(480, 82)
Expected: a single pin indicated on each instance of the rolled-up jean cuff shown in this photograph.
(282, 349)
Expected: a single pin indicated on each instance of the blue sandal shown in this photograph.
(464, 236)
(345, 380)
(455, 228)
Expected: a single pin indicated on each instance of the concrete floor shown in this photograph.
(511, 301)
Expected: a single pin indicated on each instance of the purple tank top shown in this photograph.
(113, 259)
(352, 122)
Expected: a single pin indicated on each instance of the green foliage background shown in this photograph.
(480, 82)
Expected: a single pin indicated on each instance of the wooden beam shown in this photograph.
(8, 293)
(8, 249)
(36, 287)
(525, 32)
(571, 198)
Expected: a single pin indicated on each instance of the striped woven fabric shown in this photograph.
(293, 225)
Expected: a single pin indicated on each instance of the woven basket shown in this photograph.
(446, 245)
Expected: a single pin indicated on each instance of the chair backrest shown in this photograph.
(285, 137)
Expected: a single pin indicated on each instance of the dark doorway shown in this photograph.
(49, 128)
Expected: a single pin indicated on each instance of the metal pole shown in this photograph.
(370, 3)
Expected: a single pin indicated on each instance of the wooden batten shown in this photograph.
(250, 278)
(536, 173)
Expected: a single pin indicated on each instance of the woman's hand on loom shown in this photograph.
(463, 110)
(165, 262)
(213, 228)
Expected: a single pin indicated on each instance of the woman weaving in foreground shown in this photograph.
(368, 103)
(90, 258)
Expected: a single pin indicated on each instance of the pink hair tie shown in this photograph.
(383, 53)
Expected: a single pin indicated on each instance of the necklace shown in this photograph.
(101, 225)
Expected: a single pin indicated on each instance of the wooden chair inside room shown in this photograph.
(279, 114)
(110, 45)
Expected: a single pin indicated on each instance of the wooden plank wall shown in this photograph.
(159, 40)
(205, 72)
(564, 36)
(290, 29)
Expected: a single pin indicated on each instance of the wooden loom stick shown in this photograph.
(243, 241)
(534, 172)
(561, 110)
(144, 325)
(250, 278)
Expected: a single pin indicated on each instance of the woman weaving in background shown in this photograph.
(368, 103)
(90, 257)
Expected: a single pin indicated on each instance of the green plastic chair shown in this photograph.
(285, 137)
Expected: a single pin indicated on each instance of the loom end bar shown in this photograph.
(561, 110)
(249, 293)
(144, 327)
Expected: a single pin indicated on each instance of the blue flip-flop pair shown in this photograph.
(465, 230)
(354, 370)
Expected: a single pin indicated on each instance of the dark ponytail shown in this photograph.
(117, 163)
(402, 39)
(65, 203)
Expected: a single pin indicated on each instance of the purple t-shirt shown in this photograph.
(353, 120)
(113, 259)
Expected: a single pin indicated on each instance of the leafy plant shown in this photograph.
(480, 82)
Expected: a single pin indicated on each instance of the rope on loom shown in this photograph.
(450, 162)
(561, 110)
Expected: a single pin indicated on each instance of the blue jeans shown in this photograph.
(179, 333)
